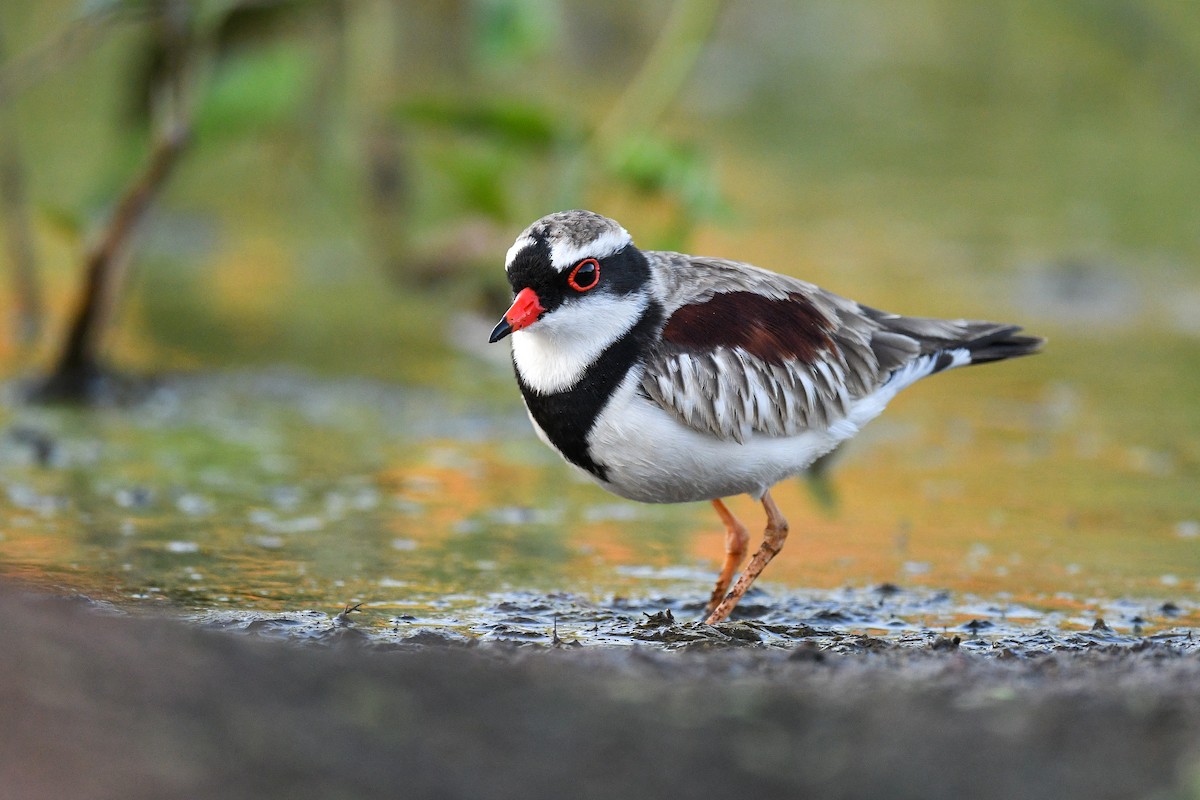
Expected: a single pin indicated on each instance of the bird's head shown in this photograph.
(573, 269)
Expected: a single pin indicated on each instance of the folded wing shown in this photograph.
(750, 351)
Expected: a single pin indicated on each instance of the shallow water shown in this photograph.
(274, 501)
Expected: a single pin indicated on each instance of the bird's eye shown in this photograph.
(585, 275)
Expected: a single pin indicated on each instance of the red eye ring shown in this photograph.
(593, 274)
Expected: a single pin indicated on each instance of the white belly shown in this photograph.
(650, 456)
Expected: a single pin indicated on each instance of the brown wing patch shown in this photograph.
(773, 330)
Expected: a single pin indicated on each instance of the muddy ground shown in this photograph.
(98, 704)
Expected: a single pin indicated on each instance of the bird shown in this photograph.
(672, 378)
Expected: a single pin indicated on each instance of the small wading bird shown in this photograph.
(670, 378)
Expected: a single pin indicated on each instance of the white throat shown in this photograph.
(552, 354)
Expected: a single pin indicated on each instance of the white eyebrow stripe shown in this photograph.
(566, 254)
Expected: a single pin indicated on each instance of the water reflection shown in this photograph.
(278, 493)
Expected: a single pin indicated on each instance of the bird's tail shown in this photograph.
(992, 342)
(954, 342)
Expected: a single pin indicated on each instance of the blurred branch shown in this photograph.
(78, 375)
(105, 267)
(662, 74)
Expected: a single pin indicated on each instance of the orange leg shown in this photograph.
(773, 539)
(737, 539)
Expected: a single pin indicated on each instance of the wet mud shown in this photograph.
(851, 620)
(101, 702)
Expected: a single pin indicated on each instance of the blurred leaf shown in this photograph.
(479, 179)
(511, 123)
(509, 31)
(660, 167)
(650, 164)
(254, 90)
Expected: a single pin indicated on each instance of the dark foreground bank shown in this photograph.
(98, 705)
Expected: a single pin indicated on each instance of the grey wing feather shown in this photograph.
(730, 393)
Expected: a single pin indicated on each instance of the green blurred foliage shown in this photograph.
(509, 124)
(509, 32)
(254, 92)
(383, 145)
(655, 165)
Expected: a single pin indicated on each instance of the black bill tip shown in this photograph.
(502, 329)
